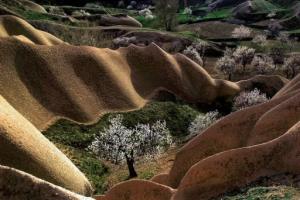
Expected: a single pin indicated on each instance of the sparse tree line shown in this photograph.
(262, 57)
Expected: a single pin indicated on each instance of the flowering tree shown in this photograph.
(244, 55)
(278, 55)
(203, 121)
(260, 39)
(193, 54)
(241, 32)
(226, 65)
(201, 47)
(263, 64)
(292, 66)
(247, 99)
(118, 143)
(124, 41)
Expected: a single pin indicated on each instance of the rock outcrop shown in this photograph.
(11, 26)
(15, 185)
(23, 147)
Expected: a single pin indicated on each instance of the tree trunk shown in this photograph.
(130, 165)
(293, 72)
(244, 66)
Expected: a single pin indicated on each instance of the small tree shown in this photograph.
(247, 99)
(291, 66)
(260, 40)
(166, 12)
(226, 65)
(278, 55)
(286, 41)
(201, 47)
(118, 143)
(263, 64)
(244, 55)
(274, 28)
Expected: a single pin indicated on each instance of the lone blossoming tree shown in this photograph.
(118, 143)
(244, 55)
(226, 65)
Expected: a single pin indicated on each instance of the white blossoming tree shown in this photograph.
(193, 54)
(261, 42)
(118, 143)
(291, 66)
(247, 99)
(244, 55)
(201, 122)
(241, 32)
(263, 64)
(226, 65)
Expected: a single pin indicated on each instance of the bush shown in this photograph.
(193, 54)
(202, 122)
(178, 118)
(247, 99)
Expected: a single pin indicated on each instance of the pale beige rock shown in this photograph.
(138, 190)
(23, 147)
(18, 185)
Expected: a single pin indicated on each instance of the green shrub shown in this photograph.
(177, 116)
(90, 165)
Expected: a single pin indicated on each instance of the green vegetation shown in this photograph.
(184, 18)
(177, 116)
(147, 23)
(219, 14)
(88, 163)
(267, 193)
(263, 6)
(73, 139)
(31, 15)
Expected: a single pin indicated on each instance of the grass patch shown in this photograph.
(147, 23)
(95, 170)
(31, 15)
(184, 18)
(263, 6)
(267, 193)
(177, 116)
(219, 14)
